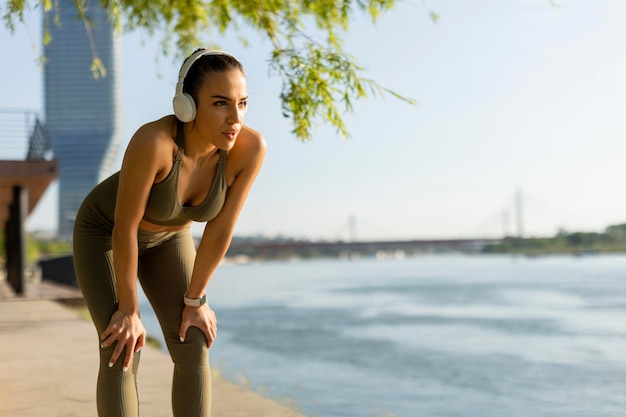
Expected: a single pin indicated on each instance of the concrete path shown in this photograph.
(48, 366)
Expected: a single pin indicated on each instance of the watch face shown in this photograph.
(195, 302)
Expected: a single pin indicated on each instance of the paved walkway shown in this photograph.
(48, 364)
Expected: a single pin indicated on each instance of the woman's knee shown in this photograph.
(117, 367)
(192, 352)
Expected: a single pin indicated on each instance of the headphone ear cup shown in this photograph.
(184, 107)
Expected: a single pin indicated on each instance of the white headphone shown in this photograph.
(183, 103)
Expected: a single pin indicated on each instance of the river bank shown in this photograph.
(49, 364)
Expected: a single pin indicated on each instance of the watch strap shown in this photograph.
(195, 302)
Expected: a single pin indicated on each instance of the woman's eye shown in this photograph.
(219, 103)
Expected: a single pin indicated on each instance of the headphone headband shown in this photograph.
(191, 60)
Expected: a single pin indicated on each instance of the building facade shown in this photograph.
(83, 114)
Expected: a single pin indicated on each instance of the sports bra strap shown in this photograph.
(180, 140)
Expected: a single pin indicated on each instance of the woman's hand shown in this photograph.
(128, 331)
(202, 317)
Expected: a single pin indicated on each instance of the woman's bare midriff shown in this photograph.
(151, 227)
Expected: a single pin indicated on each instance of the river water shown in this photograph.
(431, 336)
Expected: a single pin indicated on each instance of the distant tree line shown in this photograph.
(613, 239)
(38, 248)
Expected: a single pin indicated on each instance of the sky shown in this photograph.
(516, 101)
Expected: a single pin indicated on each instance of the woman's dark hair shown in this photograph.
(204, 67)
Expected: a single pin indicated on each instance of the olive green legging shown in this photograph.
(164, 269)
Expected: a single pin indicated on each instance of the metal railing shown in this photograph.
(23, 136)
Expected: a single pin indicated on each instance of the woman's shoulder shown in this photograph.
(162, 129)
(157, 135)
(153, 143)
(252, 140)
(248, 152)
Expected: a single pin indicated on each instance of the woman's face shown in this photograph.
(221, 107)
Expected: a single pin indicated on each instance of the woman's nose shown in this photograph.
(236, 115)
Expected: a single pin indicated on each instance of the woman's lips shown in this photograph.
(231, 134)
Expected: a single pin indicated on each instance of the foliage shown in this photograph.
(42, 248)
(612, 240)
(306, 38)
(38, 248)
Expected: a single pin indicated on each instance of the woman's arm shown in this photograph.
(144, 158)
(250, 152)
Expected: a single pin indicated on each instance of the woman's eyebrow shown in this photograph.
(227, 98)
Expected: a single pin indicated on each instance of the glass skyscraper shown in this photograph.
(83, 114)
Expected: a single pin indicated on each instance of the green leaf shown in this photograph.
(320, 81)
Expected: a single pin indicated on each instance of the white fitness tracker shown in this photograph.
(195, 302)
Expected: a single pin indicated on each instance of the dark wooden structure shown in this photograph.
(22, 184)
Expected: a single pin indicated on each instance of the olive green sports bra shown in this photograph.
(163, 207)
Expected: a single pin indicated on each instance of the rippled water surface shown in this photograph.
(448, 336)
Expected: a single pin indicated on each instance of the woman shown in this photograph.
(196, 165)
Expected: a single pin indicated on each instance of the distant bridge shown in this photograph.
(268, 247)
